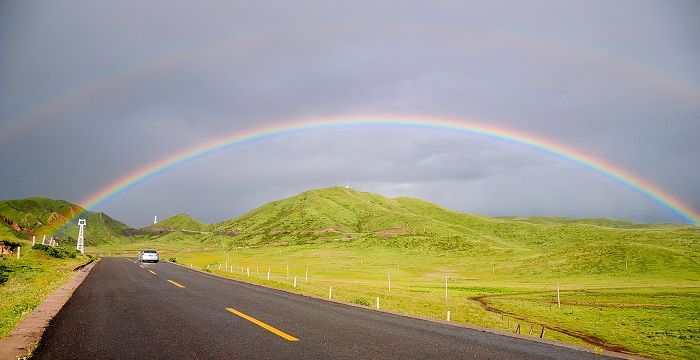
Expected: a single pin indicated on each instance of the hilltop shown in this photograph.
(38, 216)
(179, 222)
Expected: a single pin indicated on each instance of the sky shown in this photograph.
(91, 91)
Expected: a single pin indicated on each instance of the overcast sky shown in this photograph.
(92, 90)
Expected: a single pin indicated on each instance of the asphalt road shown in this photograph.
(163, 311)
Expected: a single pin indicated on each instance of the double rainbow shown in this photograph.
(472, 128)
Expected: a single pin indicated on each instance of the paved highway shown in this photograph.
(163, 311)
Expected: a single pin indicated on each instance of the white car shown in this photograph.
(148, 255)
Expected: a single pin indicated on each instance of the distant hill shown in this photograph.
(364, 219)
(25, 218)
(179, 222)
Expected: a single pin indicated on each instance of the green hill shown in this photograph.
(531, 245)
(25, 218)
(179, 222)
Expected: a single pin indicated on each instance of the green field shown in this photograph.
(28, 281)
(623, 286)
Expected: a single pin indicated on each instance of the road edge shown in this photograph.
(609, 353)
(25, 336)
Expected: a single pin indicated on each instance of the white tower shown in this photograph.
(81, 236)
(155, 219)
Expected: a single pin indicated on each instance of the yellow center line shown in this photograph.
(267, 327)
(175, 283)
(152, 272)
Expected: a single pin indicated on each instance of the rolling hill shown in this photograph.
(25, 218)
(179, 222)
(587, 246)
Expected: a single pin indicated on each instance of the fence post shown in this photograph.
(558, 300)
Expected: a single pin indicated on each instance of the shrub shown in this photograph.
(57, 252)
(360, 301)
(4, 274)
(173, 260)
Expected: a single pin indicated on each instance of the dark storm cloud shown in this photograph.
(618, 81)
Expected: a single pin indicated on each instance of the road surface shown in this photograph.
(163, 311)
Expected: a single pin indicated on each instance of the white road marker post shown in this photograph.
(306, 275)
(287, 270)
(377, 302)
(247, 271)
(295, 282)
(43, 240)
(219, 266)
(558, 299)
(448, 315)
(33, 240)
(268, 273)
(389, 274)
(19, 250)
(330, 292)
(257, 270)
(445, 287)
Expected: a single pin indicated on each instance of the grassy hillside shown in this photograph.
(178, 222)
(40, 216)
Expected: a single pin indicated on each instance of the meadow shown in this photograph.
(29, 280)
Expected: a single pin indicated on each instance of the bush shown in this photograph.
(41, 247)
(57, 252)
(173, 260)
(360, 301)
(206, 268)
(4, 274)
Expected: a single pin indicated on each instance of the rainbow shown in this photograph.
(473, 128)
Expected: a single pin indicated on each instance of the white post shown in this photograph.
(377, 302)
(493, 272)
(190, 266)
(33, 240)
(295, 282)
(268, 274)
(247, 271)
(257, 270)
(219, 266)
(448, 315)
(43, 240)
(558, 300)
(445, 287)
(389, 274)
(330, 292)
(232, 269)
(307, 274)
(226, 261)
(19, 250)
(81, 236)
(287, 270)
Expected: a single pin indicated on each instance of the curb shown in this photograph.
(20, 342)
(585, 349)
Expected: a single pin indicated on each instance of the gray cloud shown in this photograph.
(137, 82)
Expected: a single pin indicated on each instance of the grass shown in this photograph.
(30, 280)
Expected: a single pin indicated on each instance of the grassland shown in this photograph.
(29, 281)
(624, 286)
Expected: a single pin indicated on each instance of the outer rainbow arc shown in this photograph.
(643, 187)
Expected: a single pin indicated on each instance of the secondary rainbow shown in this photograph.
(470, 127)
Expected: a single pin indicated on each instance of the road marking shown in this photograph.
(267, 327)
(141, 265)
(175, 283)
(152, 272)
